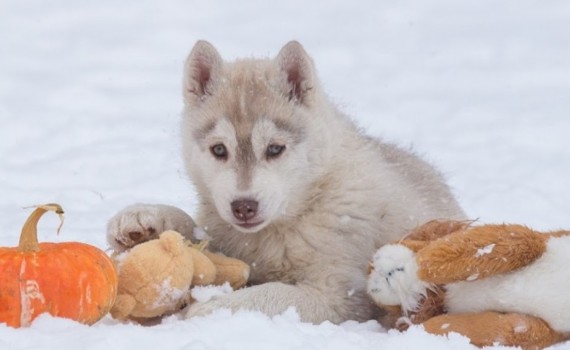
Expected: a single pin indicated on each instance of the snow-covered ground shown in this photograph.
(90, 101)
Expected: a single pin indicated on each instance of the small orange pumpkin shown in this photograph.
(72, 280)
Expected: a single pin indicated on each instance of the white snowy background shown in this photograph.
(90, 105)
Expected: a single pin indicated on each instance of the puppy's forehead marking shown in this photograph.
(248, 91)
(245, 158)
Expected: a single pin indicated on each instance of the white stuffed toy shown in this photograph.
(503, 284)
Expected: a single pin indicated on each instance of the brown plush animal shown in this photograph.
(504, 284)
(155, 276)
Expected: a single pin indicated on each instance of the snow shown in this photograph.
(167, 294)
(200, 233)
(205, 293)
(488, 249)
(472, 277)
(90, 102)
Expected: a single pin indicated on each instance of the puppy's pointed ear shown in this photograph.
(298, 72)
(201, 71)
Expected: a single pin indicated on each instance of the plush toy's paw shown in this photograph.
(123, 306)
(393, 278)
(492, 328)
(139, 223)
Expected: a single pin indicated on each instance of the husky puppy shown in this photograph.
(290, 185)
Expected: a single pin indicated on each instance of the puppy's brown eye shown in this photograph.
(219, 151)
(274, 151)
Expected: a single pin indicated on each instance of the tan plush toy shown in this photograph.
(155, 277)
(495, 284)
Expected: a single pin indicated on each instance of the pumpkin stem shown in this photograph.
(29, 235)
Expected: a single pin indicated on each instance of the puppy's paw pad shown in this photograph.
(133, 225)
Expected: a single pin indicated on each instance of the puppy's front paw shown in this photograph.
(133, 225)
(200, 309)
(222, 302)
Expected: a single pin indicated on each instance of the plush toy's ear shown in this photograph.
(172, 242)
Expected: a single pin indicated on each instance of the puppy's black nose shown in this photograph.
(244, 209)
